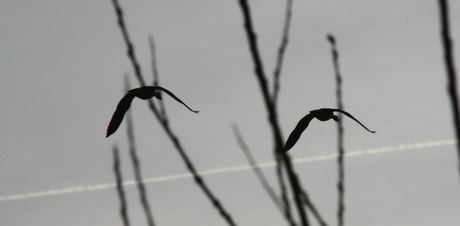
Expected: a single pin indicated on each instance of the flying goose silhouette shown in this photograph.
(144, 93)
(322, 114)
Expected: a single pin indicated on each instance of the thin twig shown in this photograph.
(165, 125)
(120, 191)
(137, 168)
(284, 192)
(313, 209)
(258, 66)
(340, 131)
(130, 51)
(124, 31)
(281, 49)
(272, 115)
(255, 167)
(198, 179)
(156, 81)
(450, 68)
(296, 189)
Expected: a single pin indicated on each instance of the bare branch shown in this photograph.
(255, 167)
(340, 131)
(120, 191)
(272, 115)
(165, 124)
(124, 31)
(313, 209)
(136, 165)
(156, 81)
(450, 68)
(281, 49)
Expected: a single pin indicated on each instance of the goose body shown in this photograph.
(323, 114)
(144, 93)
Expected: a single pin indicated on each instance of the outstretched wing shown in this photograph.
(119, 113)
(298, 130)
(174, 96)
(351, 116)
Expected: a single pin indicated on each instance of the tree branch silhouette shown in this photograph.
(313, 209)
(137, 166)
(450, 69)
(340, 132)
(281, 49)
(120, 191)
(164, 122)
(263, 181)
(272, 115)
(156, 80)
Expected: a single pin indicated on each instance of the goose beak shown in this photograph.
(157, 95)
(335, 118)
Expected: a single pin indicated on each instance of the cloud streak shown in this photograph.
(98, 187)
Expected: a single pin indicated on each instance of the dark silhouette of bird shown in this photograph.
(144, 93)
(323, 114)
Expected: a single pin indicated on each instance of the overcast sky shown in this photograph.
(61, 77)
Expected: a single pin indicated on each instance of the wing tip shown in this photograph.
(288, 145)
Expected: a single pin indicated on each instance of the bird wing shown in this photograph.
(119, 113)
(351, 116)
(298, 130)
(175, 97)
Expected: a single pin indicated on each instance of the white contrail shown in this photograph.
(97, 187)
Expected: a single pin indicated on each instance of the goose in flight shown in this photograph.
(144, 93)
(322, 114)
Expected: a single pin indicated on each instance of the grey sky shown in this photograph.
(61, 77)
